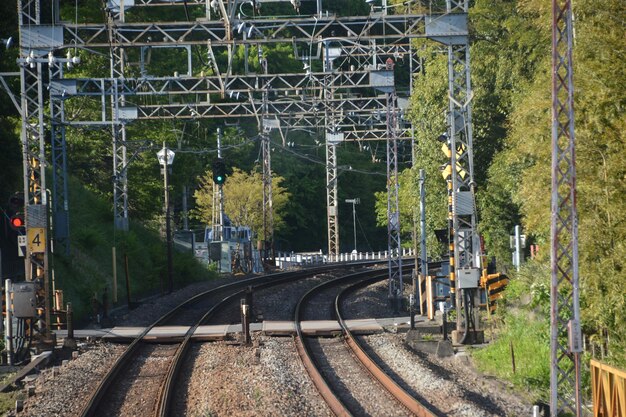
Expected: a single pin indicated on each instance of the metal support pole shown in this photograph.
(393, 211)
(268, 209)
(8, 336)
(423, 256)
(518, 249)
(70, 321)
(34, 154)
(60, 207)
(354, 222)
(185, 209)
(331, 199)
(168, 228)
(268, 214)
(245, 322)
(118, 101)
(220, 193)
(354, 202)
(464, 239)
(566, 335)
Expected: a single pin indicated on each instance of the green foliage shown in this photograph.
(531, 346)
(523, 169)
(88, 269)
(523, 320)
(243, 200)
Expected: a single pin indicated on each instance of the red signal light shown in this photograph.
(17, 222)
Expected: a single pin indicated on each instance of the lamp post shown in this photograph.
(354, 202)
(166, 158)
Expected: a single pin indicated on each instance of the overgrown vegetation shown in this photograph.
(88, 269)
(511, 67)
(521, 333)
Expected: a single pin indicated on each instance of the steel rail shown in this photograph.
(403, 397)
(168, 386)
(334, 403)
(91, 408)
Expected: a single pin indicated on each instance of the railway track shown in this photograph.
(347, 378)
(143, 379)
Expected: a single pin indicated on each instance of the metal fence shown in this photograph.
(287, 260)
(608, 387)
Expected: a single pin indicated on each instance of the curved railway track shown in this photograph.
(158, 364)
(406, 399)
(336, 391)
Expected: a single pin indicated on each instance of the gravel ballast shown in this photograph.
(267, 378)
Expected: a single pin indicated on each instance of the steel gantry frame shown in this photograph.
(565, 329)
(358, 113)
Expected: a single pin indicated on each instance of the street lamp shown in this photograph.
(166, 158)
(354, 202)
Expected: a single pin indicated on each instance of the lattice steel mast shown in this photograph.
(394, 243)
(332, 139)
(117, 61)
(31, 64)
(465, 272)
(566, 337)
(60, 207)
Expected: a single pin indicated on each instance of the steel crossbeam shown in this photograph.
(305, 30)
(295, 84)
(565, 329)
(203, 3)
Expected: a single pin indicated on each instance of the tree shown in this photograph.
(243, 200)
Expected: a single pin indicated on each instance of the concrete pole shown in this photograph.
(354, 221)
(168, 228)
(423, 256)
(8, 335)
(220, 190)
(518, 248)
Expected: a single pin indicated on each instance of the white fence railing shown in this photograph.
(288, 260)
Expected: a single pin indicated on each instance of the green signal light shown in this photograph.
(219, 171)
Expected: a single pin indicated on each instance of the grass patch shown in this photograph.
(523, 324)
(7, 399)
(87, 271)
(531, 347)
